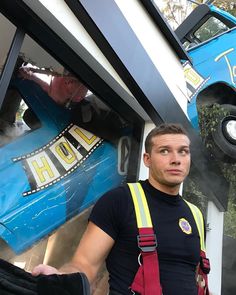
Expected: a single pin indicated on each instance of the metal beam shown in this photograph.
(10, 62)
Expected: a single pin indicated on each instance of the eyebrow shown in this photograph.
(168, 146)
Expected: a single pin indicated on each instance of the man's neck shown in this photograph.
(170, 190)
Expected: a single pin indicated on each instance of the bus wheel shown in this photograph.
(224, 135)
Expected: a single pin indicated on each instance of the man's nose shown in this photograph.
(175, 159)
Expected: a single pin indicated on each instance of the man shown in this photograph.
(112, 232)
(67, 91)
(63, 89)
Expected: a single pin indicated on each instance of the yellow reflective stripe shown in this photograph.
(145, 206)
(140, 204)
(143, 215)
(197, 214)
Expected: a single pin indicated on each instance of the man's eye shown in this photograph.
(164, 151)
(184, 152)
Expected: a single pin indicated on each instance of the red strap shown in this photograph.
(203, 270)
(138, 282)
(147, 279)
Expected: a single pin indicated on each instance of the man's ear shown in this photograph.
(146, 159)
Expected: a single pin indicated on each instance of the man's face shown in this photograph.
(168, 161)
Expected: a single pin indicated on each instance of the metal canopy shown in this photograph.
(150, 90)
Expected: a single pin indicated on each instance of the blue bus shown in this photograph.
(209, 35)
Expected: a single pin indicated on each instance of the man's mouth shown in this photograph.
(174, 171)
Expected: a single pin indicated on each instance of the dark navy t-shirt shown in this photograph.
(177, 236)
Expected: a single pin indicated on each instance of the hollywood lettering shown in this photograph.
(60, 157)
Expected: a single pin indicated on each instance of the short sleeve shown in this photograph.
(109, 213)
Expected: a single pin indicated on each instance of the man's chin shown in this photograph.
(174, 183)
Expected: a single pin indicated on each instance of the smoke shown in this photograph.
(8, 132)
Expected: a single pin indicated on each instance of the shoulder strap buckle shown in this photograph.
(147, 242)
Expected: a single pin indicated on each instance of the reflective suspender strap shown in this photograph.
(140, 204)
(197, 214)
(204, 267)
(147, 279)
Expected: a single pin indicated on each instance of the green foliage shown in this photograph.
(209, 117)
(230, 220)
(229, 172)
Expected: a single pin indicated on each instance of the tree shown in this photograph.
(227, 5)
(176, 11)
